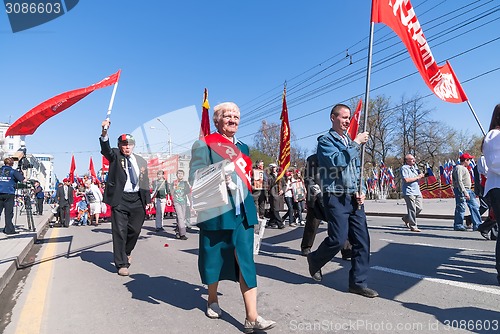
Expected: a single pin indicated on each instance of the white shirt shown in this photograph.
(128, 185)
(491, 152)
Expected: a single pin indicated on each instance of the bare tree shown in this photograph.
(380, 126)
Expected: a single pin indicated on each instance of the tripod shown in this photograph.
(29, 212)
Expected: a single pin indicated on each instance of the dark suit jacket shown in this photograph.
(117, 176)
(60, 196)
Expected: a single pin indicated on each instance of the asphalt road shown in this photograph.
(431, 282)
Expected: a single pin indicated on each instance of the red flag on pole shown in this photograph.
(401, 18)
(92, 171)
(284, 158)
(29, 122)
(72, 168)
(352, 130)
(105, 164)
(205, 122)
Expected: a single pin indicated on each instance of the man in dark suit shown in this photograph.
(65, 199)
(127, 192)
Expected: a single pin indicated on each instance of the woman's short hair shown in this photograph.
(8, 161)
(221, 107)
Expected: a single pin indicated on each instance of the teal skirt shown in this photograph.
(217, 261)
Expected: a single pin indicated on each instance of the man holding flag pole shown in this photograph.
(339, 164)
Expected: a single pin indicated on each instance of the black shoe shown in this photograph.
(281, 226)
(315, 274)
(484, 234)
(158, 229)
(183, 237)
(305, 251)
(365, 292)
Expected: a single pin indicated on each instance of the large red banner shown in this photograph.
(29, 122)
(284, 157)
(400, 17)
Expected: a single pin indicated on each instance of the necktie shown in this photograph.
(131, 173)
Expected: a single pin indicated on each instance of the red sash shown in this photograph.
(227, 150)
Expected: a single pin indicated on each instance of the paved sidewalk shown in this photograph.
(433, 208)
(13, 249)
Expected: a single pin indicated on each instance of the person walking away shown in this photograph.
(316, 209)
(9, 178)
(339, 161)
(491, 152)
(127, 193)
(411, 192)
(227, 232)
(464, 195)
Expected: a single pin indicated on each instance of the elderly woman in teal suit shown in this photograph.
(227, 231)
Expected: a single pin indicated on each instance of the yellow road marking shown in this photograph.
(30, 320)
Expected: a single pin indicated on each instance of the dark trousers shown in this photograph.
(64, 215)
(259, 198)
(345, 222)
(494, 196)
(275, 218)
(39, 205)
(127, 219)
(7, 206)
(289, 212)
(309, 230)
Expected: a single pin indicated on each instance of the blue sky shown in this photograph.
(241, 51)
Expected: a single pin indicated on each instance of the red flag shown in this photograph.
(29, 122)
(105, 164)
(352, 131)
(72, 168)
(205, 122)
(284, 158)
(400, 17)
(92, 171)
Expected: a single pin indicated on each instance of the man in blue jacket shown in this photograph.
(339, 165)
(9, 177)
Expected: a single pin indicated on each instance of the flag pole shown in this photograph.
(475, 116)
(367, 99)
(112, 100)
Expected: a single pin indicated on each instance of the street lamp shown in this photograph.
(169, 138)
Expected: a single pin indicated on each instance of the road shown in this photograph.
(430, 282)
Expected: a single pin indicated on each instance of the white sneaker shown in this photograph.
(213, 311)
(260, 324)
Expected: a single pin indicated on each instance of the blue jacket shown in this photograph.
(8, 180)
(339, 165)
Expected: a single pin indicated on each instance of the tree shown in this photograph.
(267, 142)
(380, 127)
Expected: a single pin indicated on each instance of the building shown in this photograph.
(43, 170)
(9, 145)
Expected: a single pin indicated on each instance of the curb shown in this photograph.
(395, 214)
(10, 265)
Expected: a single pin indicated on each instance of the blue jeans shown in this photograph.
(473, 205)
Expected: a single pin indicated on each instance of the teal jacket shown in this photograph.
(224, 217)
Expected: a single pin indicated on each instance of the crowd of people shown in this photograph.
(330, 190)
